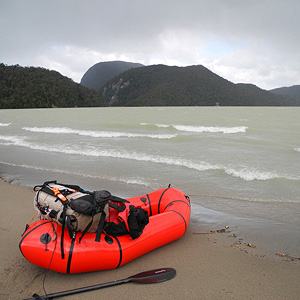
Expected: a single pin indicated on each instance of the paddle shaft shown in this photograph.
(153, 276)
(80, 290)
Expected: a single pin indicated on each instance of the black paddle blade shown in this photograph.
(153, 276)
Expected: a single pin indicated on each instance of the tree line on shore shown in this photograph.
(138, 85)
(30, 87)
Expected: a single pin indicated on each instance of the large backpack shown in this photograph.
(73, 207)
(80, 210)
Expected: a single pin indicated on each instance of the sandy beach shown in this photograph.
(209, 266)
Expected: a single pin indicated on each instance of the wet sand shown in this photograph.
(209, 266)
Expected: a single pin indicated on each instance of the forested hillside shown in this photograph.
(291, 91)
(32, 87)
(156, 85)
(161, 85)
(97, 75)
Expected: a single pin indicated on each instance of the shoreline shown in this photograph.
(272, 238)
(256, 236)
(207, 265)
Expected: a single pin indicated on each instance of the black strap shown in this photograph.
(63, 232)
(53, 213)
(44, 184)
(69, 225)
(100, 227)
(75, 187)
(117, 199)
(47, 189)
(86, 229)
(117, 207)
(71, 252)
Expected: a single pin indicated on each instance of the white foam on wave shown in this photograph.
(245, 173)
(4, 124)
(131, 180)
(156, 125)
(163, 125)
(136, 156)
(97, 134)
(122, 154)
(297, 149)
(10, 140)
(201, 129)
(250, 175)
(211, 129)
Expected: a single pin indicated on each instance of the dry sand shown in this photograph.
(206, 264)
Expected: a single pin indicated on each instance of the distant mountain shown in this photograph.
(31, 87)
(157, 85)
(161, 85)
(96, 76)
(292, 91)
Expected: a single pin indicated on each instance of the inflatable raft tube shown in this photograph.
(169, 214)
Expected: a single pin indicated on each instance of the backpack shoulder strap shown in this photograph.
(117, 199)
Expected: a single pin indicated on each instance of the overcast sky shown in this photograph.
(253, 41)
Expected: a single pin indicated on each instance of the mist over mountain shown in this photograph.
(97, 75)
(161, 85)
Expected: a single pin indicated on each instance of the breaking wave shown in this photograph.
(4, 124)
(201, 129)
(96, 152)
(97, 134)
(210, 129)
(129, 180)
(247, 174)
(10, 140)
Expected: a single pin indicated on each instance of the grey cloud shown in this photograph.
(188, 31)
